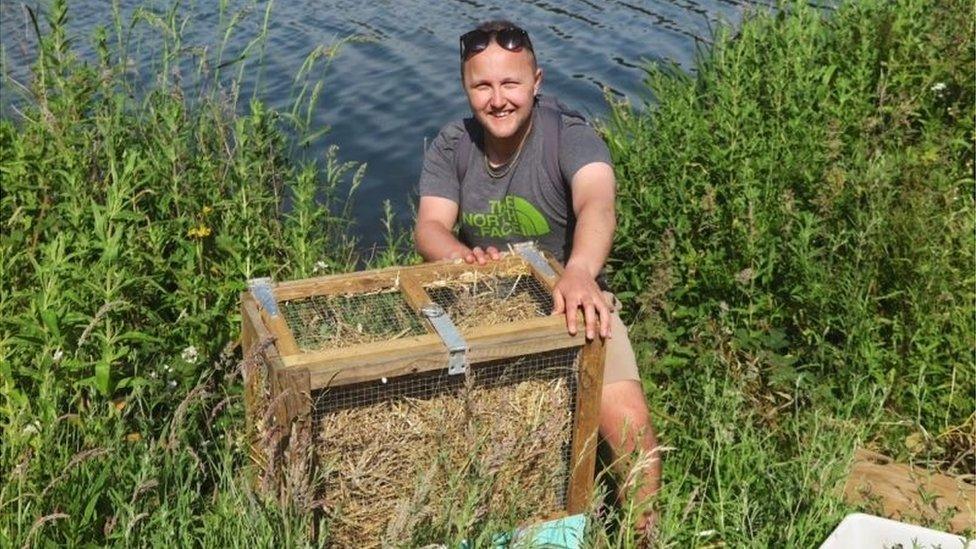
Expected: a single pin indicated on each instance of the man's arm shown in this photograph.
(593, 202)
(435, 237)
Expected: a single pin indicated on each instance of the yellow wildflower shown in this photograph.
(200, 231)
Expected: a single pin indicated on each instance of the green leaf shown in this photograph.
(103, 377)
(50, 319)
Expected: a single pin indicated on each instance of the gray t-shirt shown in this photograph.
(523, 205)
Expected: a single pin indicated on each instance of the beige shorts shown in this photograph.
(620, 363)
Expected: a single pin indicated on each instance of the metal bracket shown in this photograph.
(529, 252)
(457, 347)
(261, 290)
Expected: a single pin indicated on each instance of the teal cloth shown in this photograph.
(564, 533)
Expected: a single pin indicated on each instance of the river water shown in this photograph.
(396, 82)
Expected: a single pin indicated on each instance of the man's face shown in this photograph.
(501, 85)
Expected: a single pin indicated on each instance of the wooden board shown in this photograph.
(432, 272)
(276, 326)
(359, 282)
(378, 279)
(411, 355)
(250, 325)
(910, 494)
(583, 460)
(262, 361)
(413, 292)
(284, 339)
(293, 397)
(254, 332)
(248, 329)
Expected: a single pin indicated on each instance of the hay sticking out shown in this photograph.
(398, 464)
(474, 298)
(506, 293)
(336, 321)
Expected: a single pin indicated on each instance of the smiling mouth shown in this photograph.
(500, 115)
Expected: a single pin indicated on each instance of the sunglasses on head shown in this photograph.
(510, 38)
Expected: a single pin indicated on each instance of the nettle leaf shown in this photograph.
(50, 319)
(103, 376)
(139, 337)
(776, 340)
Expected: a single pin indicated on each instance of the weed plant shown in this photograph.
(795, 249)
(133, 215)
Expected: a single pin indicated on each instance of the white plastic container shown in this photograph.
(859, 530)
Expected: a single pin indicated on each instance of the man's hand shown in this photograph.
(479, 256)
(593, 196)
(575, 289)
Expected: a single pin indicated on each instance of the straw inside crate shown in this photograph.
(471, 298)
(334, 321)
(476, 298)
(396, 454)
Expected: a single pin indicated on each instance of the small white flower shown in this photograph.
(32, 428)
(320, 266)
(745, 276)
(190, 355)
(58, 355)
(172, 383)
(939, 87)
(152, 375)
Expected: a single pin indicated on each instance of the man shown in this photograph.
(506, 181)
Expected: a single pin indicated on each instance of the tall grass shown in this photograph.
(133, 214)
(796, 250)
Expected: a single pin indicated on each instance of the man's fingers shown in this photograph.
(605, 319)
(571, 319)
(558, 302)
(493, 252)
(589, 316)
(571, 310)
(603, 314)
(479, 254)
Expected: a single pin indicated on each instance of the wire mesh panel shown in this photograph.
(393, 451)
(477, 299)
(333, 321)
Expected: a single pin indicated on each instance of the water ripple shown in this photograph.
(384, 96)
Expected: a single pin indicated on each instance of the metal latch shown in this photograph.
(457, 347)
(529, 252)
(261, 290)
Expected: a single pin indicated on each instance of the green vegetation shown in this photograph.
(131, 220)
(795, 250)
(796, 228)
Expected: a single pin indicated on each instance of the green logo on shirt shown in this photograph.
(507, 217)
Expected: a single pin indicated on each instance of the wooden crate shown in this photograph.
(302, 373)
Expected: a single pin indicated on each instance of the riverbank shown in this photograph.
(794, 249)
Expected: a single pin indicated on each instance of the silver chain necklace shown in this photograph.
(502, 171)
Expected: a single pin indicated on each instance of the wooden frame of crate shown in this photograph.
(292, 375)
